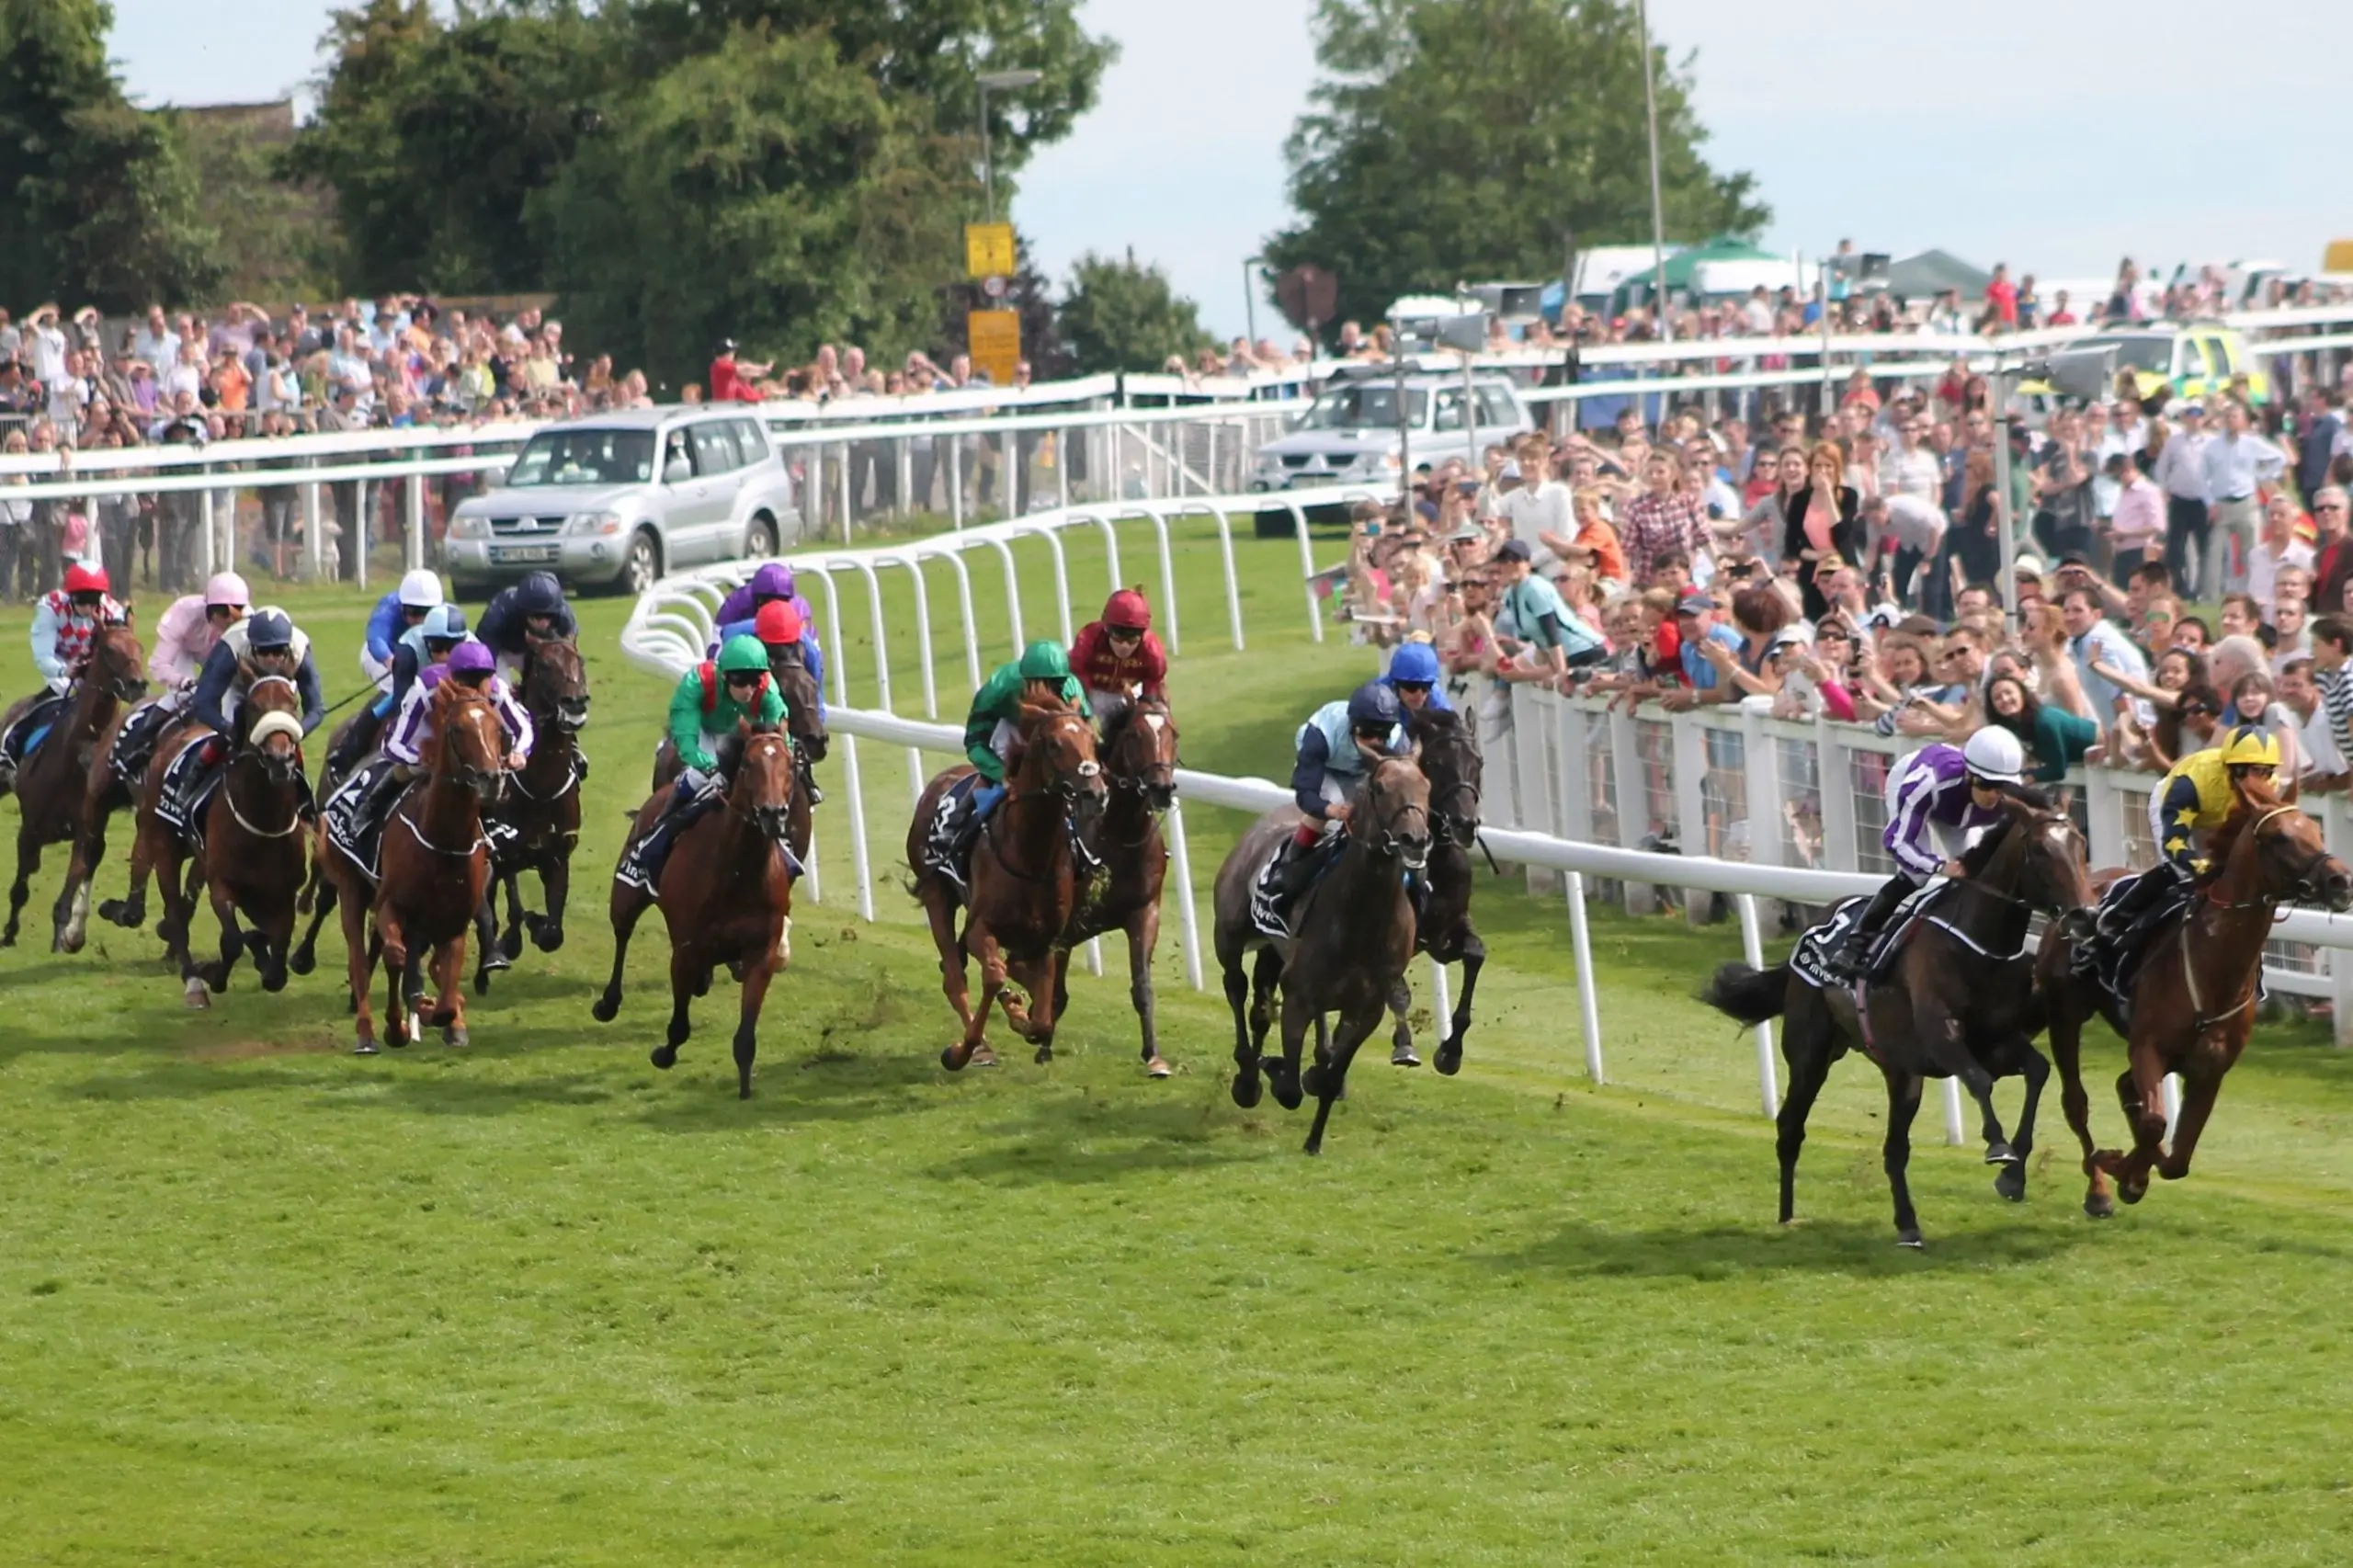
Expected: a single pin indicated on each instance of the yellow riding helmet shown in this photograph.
(2248, 746)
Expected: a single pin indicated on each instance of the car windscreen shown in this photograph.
(1365, 406)
(583, 457)
(2146, 351)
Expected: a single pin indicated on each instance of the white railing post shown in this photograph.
(414, 500)
(2101, 815)
(1837, 798)
(1180, 862)
(1232, 583)
(1751, 948)
(315, 536)
(1589, 995)
(1690, 767)
(2336, 824)
(1307, 570)
(1633, 801)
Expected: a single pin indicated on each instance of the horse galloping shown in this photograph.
(725, 893)
(806, 725)
(1451, 761)
(52, 784)
(1140, 762)
(1356, 935)
(535, 826)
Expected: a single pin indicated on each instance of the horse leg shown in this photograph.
(756, 975)
(305, 958)
(450, 1006)
(1263, 978)
(28, 862)
(1806, 1046)
(269, 952)
(2140, 1089)
(1297, 1015)
(485, 925)
(71, 916)
(1328, 1079)
(2010, 1180)
(397, 959)
(2066, 1054)
(2197, 1104)
(971, 1048)
(1051, 994)
(555, 882)
(510, 942)
(1401, 1038)
(1245, 1087)
(1144, 934)
(1903, 1105)
(130, 913)
(629, 905)
(361, 948)
(1947, 1044)
(1449, 1050)
(179, 910)
(939, 914)
(685, 969)
(198, 978)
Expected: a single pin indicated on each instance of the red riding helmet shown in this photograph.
(1127, 611)
(778, 623)
(80, 579)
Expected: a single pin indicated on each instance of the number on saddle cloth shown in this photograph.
(356, 814)
(181, 802)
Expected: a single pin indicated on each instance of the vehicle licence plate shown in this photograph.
(521, 554)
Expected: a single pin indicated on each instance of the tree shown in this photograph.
(1453, 141)
(95, 196)
(282, 244)
(1122, 315)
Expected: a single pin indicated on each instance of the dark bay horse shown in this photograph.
(535, 826)
(435, 869)
(1028, 880)
(1451, 761)
(53, 782)
(2193, 996)
(1140, 762)
(1959, 1002)
(1356, 937)
(726, 896)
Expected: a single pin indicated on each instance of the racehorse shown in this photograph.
(806, 725)
(1958, 1002)
(1139, 763)
(52, 783)
(2193, 997)
(1355, 928)
(536, 824)
(1028, 878)
(249, 855)
(725, 894)
(1451, 761)
(105, 793)
(434, 868)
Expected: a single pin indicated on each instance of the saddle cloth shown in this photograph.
(642, 862)
(943, 847)
(352, 826)
(135, 745)
(1270, 910)
(1811, 958)
(32, 727)
(175, 797)
(2114, 959)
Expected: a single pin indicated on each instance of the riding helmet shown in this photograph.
(2250, 746)
(420, 589)
(1374, 705)
(444, 623)
(1413, 664)
(1994, 755)
(471, 658)
(1127, 611)
(773, 581)
(778, 624)
(1045, 660)
(227, 590)
(744, 655)
(538, 593)
(270, 629)
(81, 579)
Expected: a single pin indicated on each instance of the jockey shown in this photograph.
(468, 664)
(1118, 657)
(1939, 793)
(263, 644)
(395, 613)
(425, 644)
(1414, 676)
(531, 611)
(710, 701)
(1336, 749)
(66, 623)
(773, 581)
(788, 638)
(992, 729)
(184, 636)
(2197, 797)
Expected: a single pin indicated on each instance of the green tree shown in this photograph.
(766, 190)
(97, 200)
(1459, 140)
(282, 245)
(1122, 315)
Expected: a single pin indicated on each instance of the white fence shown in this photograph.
(1572, 787)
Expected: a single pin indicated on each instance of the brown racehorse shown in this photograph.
(1027, 882)
(435, 869)
(1140, 762)
(103, 794)
(2193, 998)
(1451, 761)
(806, 725)
(725, 894)
(52, 783)
(1356, 937)
(542, 805)
(254, 854)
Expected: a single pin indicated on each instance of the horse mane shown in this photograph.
(730, 747)
(448, 694)
(2255, 798)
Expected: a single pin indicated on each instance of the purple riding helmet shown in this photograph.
(472, 658)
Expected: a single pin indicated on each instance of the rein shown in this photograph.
(228, 794)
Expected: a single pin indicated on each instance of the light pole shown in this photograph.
(1250, 298)
(1658, 207)
(1004, 82)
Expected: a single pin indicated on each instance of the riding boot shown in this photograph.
(956, 860)
(2117, 936)
(1854, 953)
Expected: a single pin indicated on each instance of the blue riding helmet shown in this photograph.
(1415, 664)
(268, 630)
(1374, 705)
(444, 623)
(538, 593)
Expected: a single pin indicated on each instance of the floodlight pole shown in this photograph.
(1658, 205)
(1999, 386)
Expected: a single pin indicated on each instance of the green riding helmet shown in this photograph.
(743, 651)
(1045, 660)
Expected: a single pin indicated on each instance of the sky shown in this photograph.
(1899, 126)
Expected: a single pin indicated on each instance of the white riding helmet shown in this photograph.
(228, 588)
(1994, 754)
(420, 589)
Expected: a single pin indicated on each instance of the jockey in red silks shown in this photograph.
(1117, 658)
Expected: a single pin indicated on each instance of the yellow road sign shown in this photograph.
(988, 250)
(995, 340)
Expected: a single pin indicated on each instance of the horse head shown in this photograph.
(1448, 754)
(2034, 855)
(270, 728)
(2282, 849)
(118, 663)
(1143, 753)
(759, 758)
(799, 690)
(464, 745)
(1058, 757)
(1393, 813)
(555, 685)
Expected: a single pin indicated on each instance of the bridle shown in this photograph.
(1391, 844)
(771, 822)
(2305, 889)
(1068, 789)
(486, 783)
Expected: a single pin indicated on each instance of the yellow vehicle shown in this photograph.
(2199, 359)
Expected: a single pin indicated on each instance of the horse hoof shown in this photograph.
(456, 1036)
(983, 1055)
(1158, 1067)
(363, 1046)
(1403, 1057)
(1045, 1053)
(2131, 1194)
(1314, 1079)
(274, 981)
(548, 938)
(481, 982)
(2000, 1155)
(1286, 1093)
(1248, 1089)
(604, 1008)
(664, 1057)
(2011, 1183)
(1911, 1239)
(509, 948)
(952, 1058)
(303, 960)
(113, 910)
(1448, 1061)
(2099, 1205)
(194, 996)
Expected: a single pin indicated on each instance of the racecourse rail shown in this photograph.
(1577, 787)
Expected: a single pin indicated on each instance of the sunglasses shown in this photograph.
(744, 677)
(1421, 685)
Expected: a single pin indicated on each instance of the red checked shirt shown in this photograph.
(1661, 525)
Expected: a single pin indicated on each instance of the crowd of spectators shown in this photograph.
(1848, 568)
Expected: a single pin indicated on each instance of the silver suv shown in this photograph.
(1349, 434)
(617, 499)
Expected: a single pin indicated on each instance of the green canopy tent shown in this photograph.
(1682, 265)
(1933, 272)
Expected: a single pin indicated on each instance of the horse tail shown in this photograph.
(1752, 996)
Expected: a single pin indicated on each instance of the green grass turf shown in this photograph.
(262, 1303)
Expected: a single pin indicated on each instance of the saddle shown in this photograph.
(32, 726)
(181, 803)
(1275, 892)
(948, 848)
(1812, 957)
(355, 815)
(2110, 953)
(642, 863)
